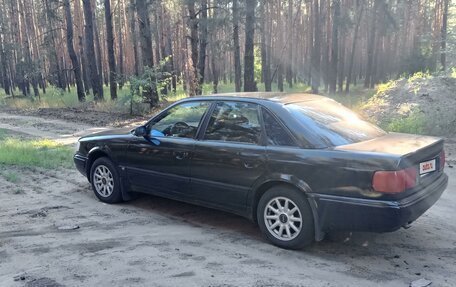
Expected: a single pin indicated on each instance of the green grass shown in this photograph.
(356, 99)
(3, 133)
(414, 123)
(11, 176)
(30, 152)
(55, 98)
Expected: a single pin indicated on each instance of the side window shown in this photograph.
(180, 121)
(276, 135)
(234, 122)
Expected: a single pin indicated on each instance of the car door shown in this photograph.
(229, 156)
(159, 163)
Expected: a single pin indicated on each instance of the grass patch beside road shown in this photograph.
(11, 177)
(33, 152)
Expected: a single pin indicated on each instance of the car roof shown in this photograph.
(284, 98)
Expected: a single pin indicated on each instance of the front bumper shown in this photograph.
(355, 214)
(80, 163)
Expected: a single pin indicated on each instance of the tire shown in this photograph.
(303, 233)
(105, 181)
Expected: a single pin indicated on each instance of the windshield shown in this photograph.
(333, 123)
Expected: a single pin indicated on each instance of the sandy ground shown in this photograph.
(157, 242)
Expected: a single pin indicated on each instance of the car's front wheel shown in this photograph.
(105, 181)
(285, 218)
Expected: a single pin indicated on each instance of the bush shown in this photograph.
(155, 80)
(414, 123)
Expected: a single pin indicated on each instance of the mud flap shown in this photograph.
(319, 234)
(126, 195)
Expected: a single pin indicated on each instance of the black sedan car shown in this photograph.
(299, 165)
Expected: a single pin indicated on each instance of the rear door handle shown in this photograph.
(181, 155)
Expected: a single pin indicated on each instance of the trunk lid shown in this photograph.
(404, 145)
(420, 152)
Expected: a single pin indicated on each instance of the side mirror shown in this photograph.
(140, 131)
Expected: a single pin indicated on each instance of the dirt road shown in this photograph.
(54, 232)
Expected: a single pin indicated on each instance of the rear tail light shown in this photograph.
(442, 160)
(394, 181)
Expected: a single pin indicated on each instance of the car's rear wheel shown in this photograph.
(105, 181)
(285, 218)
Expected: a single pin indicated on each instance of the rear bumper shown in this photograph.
(80, 163)
(355, 214)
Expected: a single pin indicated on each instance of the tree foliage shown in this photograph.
(326, 44)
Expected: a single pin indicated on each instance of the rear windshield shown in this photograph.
(333, 123)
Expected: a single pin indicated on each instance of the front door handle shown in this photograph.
(181, 155)
(248, 165)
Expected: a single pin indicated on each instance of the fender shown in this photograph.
(277, 178)
(104, 149)
(98, 149)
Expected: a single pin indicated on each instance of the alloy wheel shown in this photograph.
(103, 181)
(283, 218)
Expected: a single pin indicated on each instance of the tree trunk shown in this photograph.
(193, 24)
(90, 50)
(142, 8)
(334, 47)
(202, 46)
(85, 67)
(289, 72)
(5, 76)
(167, 38)
(265, 66)
(168, 49)
(371, 47)
(157, 24)
(341, 67)
(111, 56)
(237, 49)
(443, 43)
(353, 50)
(55, 65)
(215, 57)
(99, 52)
(132, 15)
(72, 53)
(280, 39)
(316, 53)
(79, 22)
(249, 57)
(26, 30)
(120, 76)
(6, 80)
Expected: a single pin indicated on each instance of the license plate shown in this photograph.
(427, 166)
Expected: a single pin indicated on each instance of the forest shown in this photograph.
(151, 48)
(93, 87)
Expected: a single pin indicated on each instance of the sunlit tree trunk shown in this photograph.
(111, 56)
(316, 53)
(237, 49)
(72, 52)
(90, 50)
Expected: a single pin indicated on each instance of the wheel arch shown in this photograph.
(295, 184)
(94, 154)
